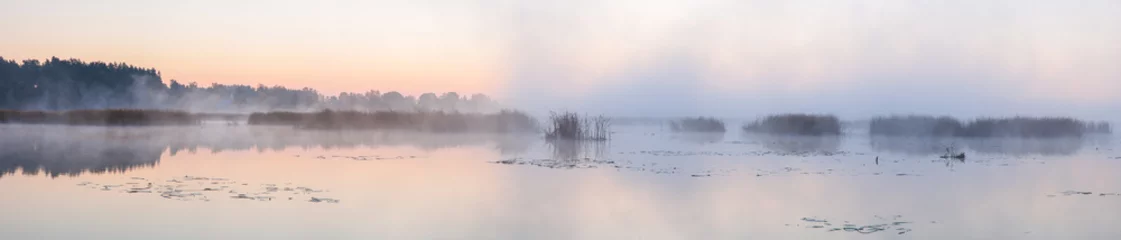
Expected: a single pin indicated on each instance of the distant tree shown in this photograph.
(64, 84)
(395, 101)
(427, 101)
(449, 101)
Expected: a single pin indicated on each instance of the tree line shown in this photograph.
(67, 84)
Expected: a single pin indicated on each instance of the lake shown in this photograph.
(219, 181)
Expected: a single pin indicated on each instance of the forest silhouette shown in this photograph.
(68, 84)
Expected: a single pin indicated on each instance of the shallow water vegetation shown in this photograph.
(1026, 127)
(915, 125)
(698, 124)
(796, 124)
(506, 121)
(572, 126)
(103, 117)
(1014, 127)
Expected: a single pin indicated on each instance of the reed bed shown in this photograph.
(1012, 127)
(572, 126)
(796, 124)
(505, 121)
(102, 117)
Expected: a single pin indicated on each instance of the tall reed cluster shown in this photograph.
(572, 126)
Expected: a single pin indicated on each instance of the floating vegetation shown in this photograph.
(670, 153)
(365, 158)
(893, 225)
(194, 188)
(323, 200)
(1083, 193)
(557, 163)
(589, 163)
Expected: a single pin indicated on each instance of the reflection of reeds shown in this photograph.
(1025, 127)
(698, 124)
(796, 124)
(566, 149)
(571, 126)
(104, 117)
(501, 122)
(1098, 127)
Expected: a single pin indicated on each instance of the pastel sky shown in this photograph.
(623, 57)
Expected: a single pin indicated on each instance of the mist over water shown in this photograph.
(583, 119)
(857, 60)
(254, 170)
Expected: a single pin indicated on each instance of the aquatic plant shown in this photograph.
(1014, 127)
(1025, 127)
(102, 117)
(698, 124)
(915, 125)
(796, 124)
(572, 126)
(1097, 127)
(506, 121)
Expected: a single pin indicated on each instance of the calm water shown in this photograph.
(224, 182)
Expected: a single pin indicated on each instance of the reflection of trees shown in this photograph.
(55, 155)
(1009, 146)
(73, 150)
(791, 143)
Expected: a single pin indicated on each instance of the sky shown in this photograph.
(732, 58)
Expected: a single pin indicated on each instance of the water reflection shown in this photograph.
(73, 150)
(996, 146)
(576, 149)
(699, 138)
(784, 143)
(72, 156)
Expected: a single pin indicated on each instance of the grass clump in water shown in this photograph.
(698, 124)
(796, 124)
(572, 126)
